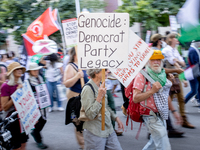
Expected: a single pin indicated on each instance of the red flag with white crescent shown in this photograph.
(46, 24)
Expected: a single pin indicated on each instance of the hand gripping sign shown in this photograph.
(139, 54)
(26, 106)
(103, 43)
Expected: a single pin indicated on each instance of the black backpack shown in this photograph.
(73, 111)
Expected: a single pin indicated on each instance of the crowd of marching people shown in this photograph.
(155, 98)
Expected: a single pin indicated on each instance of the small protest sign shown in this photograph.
(103, 40)
(26, 106)
(148, 36)
(70, 31)
(43, 96)
(173, 23)
(139, 54)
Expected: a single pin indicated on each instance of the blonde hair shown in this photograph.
(11, 80)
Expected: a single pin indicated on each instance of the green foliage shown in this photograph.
(3, 37)
(21, 13)
(167, 8)
(150, 13)
(93, 5)
(141, 11)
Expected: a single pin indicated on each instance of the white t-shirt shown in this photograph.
(8, 62)
(65, 61)
(170, 54)
(53, 73)
(108, 84)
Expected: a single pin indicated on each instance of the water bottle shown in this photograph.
(73, 115)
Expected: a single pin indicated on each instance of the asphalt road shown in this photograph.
(58, 136)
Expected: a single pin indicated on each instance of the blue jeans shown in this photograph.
(194, 84)
(159, 138)
(52, 86)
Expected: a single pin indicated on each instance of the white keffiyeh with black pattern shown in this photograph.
(161, 100)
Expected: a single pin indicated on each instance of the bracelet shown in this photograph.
(174, 111)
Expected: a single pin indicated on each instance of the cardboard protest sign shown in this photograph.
(103, 40)
(26, 106)
(70, 31)
(139, 54)
(43, 96)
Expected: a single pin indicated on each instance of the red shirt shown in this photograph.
(139, 84)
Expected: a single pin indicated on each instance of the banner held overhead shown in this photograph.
(103, 40)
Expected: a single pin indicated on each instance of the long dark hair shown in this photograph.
(155, 44)
(72, 53)
(53, 59)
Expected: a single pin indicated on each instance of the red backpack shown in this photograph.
(134, 109)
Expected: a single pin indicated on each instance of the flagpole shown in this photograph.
(77, 7)
(62, 34)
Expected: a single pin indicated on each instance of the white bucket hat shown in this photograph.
(34, 66)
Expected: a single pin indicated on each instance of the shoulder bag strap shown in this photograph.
(75, 68)
(147, 76)
(90, 87)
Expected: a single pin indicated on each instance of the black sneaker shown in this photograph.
(175, 133)
(42, 146)
(33, 134)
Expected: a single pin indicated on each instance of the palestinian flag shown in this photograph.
(188, 17)
(190, 73)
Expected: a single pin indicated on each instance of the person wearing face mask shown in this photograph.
(173, 60)
(194, 58)
(157, 45)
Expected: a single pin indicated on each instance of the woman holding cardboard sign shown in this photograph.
(34, 80)
(15, 71)
(94, 137)
(72, 76)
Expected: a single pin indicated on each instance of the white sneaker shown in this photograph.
(50, 109)
(60, 109)
(193, 100)
(196, 103)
